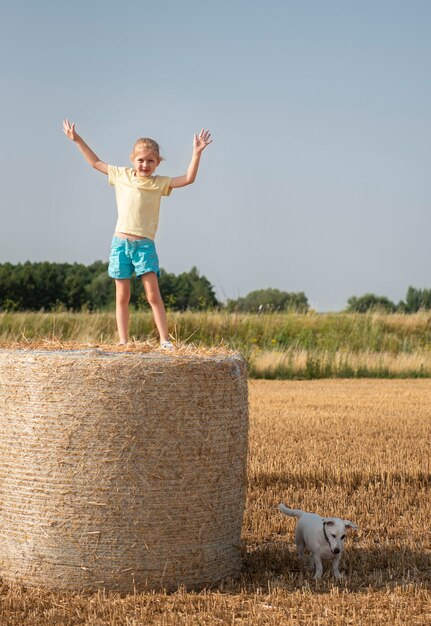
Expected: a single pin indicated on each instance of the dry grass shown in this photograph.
(276, 364)
(358, 449)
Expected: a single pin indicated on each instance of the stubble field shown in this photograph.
(357, 449)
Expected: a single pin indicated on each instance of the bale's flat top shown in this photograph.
(146, 349)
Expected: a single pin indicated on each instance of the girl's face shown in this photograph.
(145, 162)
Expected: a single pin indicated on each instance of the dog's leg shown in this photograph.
(300, 543)
(335, 563)
(300, 546)
(312, 563)
(318, 565)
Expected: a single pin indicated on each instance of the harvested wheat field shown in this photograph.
(357, 449)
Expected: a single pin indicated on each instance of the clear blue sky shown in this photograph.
(318, 177)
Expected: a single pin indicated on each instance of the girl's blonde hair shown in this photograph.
(146, 143)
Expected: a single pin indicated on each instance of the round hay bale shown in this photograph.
(121, 471)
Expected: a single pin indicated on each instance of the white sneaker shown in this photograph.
(167, 345)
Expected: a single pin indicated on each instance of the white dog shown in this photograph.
(322, 536)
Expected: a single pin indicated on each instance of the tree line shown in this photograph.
(267, 300)
(76, 287)
(415, 300)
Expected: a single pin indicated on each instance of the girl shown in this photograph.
(138, 194)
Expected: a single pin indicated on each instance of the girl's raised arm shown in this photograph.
(200, 142)
(87, 152)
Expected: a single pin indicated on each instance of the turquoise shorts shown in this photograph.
(128, 256)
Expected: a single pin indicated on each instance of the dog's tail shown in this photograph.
(290, 512)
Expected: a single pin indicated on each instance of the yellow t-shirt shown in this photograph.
(138, 200)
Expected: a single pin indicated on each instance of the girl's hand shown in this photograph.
(69, 130)
(199, 143)
(87, 152)
(202, 141)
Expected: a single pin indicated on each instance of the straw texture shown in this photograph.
(121, 471)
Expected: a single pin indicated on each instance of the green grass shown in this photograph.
(299, 345)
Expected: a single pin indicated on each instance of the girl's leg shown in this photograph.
(152, 292)
(122, 299)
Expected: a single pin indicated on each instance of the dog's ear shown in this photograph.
(328, 521)
(349, 524)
